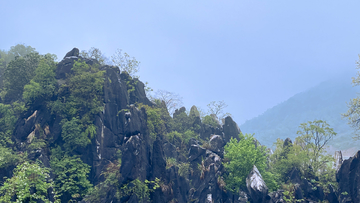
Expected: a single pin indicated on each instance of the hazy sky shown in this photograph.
(251, 54)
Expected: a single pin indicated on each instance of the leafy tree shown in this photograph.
(79, 104)
(314, 136)
(72, 135)
(70, 176)
(19, 50)
(155, 123)
(19, 72)
(7, 157)
(209, 120)
(217, 108)
(240, 157)
(353, 113)
(42, 86)
(7, 122)
(86, 86)
(307, 154)
(285, 158)
(28, 184)
(126, 63)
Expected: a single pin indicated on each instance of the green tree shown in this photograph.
(19, 72)
(307, 154)
(28, 184)
(7, 122)
(81, 102)
(72, 135)
(70, 176)
(239, 159)
(285, 158)
(19, 50)
(313, 139)
(42, 86)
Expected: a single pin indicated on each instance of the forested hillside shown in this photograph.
(83, 130)
(326, 101)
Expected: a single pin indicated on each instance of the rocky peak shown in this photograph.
(73, 53)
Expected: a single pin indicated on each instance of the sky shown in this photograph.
(251, 54)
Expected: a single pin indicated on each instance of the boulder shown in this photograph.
(217, 145)
(256, 186)
(196, 152)
(231, 129)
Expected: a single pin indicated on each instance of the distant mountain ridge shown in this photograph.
(326, 101)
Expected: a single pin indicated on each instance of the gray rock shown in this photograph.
(74, 52)
(256, 186)
(348, 178)
(231, 129)
(217, 144)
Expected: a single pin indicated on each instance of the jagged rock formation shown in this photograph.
(348, 178)
(256, 186)
(197, 175)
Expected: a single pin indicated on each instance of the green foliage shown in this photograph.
(17, 74)
(140, 189)
(85, 86)
(173, 135)
(70, 175)
(36, 143)
(240, 157)
(79, 104)
(289, 193)
(7, 122)
(285, 159)
(188, 134)
(306, 154)
(42, 86)
(170, 162)
(181, 122)
(208, 120)
(314, 136)
(155, 123)
(19, 50)
(184, 169)
(7, 157)
(73, 135)
(353, 113)
(18, 108)
(27, 177)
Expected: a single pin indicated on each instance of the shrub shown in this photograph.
(26, 178)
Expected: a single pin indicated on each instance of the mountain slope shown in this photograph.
(326, 101)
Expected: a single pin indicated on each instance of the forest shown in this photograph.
(86, 129)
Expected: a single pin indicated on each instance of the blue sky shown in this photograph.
(251, 54)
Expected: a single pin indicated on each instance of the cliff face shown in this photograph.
(122, 125)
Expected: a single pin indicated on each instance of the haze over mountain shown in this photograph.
(326, 101)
